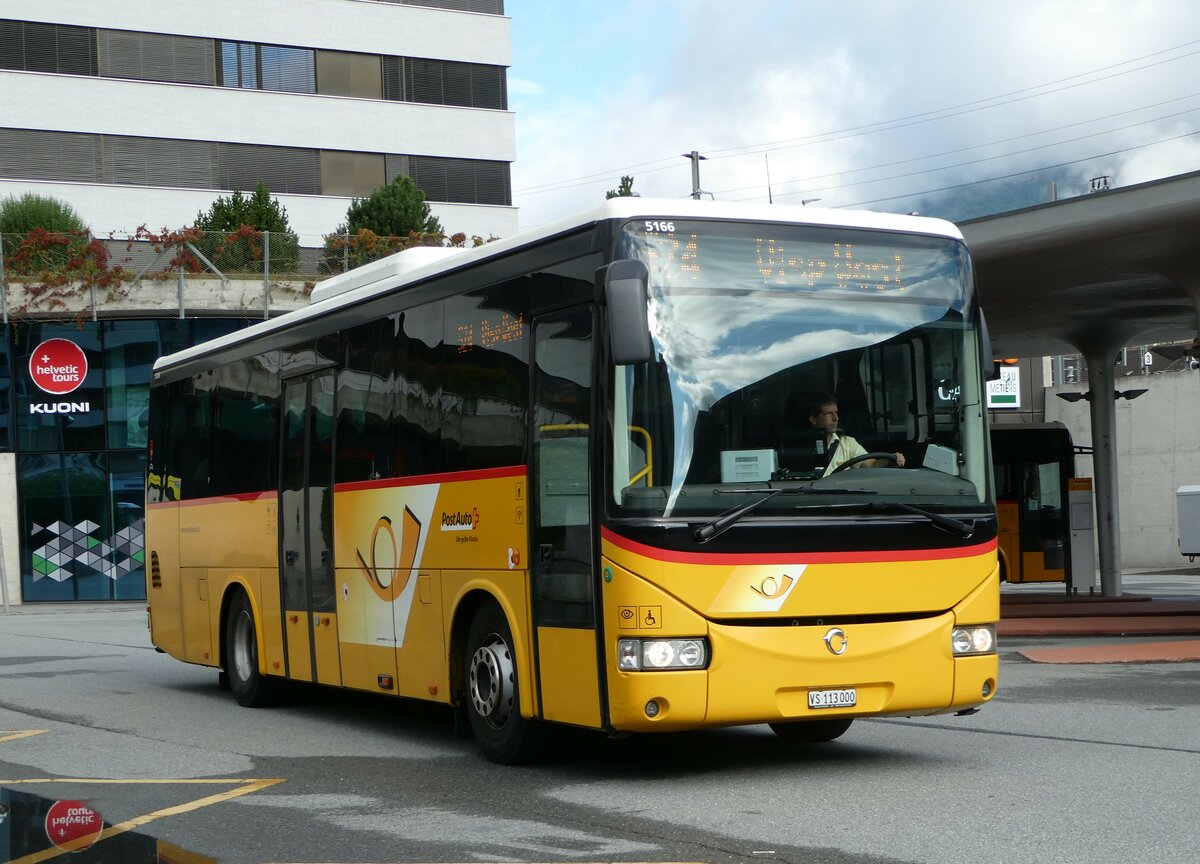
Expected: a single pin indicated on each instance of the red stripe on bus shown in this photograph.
(215, 499)
(429, 479)
(881, 556)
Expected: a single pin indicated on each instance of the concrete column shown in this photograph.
(1102, 389)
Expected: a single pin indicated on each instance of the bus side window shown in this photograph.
(245, 430)
(420, 357)
(485, 384)
(187, 458)
(364, 403)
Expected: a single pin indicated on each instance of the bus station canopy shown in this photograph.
(1092, 275)
(1118, 266)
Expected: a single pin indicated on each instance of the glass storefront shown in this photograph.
(73, 400)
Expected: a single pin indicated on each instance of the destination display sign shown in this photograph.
(786, 256)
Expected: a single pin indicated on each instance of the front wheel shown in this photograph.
(810, 731)
(251, 687)
(492, 690)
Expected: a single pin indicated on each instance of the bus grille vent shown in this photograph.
(155, 572)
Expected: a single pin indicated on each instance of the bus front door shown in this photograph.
(306, 530)
(563, 569)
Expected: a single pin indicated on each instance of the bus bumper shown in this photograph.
(764, 674)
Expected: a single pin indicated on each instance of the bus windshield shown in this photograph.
(755, 327)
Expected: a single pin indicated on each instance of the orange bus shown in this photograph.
(573, 477)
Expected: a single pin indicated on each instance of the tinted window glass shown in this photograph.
(364, 400)
(420, 355)
(68, 414)
(245, 428)
(189, 429)
(130, 349)
(486, 382)
(65, 546)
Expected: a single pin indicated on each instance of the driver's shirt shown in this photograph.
(847, 449)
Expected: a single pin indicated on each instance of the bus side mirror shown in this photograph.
(626, 294)
(987, 360)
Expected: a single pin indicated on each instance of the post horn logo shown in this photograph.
(404, 556)
(772, 588)
(836, 641)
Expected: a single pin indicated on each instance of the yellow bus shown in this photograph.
(573, 477)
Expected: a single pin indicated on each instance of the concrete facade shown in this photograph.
(1158, 450)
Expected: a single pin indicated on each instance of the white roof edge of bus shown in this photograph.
(391, 273)
(389, 268)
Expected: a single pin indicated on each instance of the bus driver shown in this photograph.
(839, 447)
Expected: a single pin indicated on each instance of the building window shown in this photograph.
(74, 156)
(443, 82)
(83, 526)
(351, 174)
(155, 57)
(462, 181)
(342, 73)
(294, 170)
(251, 66)
(29, 154)
(32, 47)
(130, 349)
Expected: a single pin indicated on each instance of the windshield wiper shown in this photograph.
(954, 526)
(704, 533)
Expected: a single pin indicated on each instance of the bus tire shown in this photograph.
(491, 690)
(811, 731)
(250, 687)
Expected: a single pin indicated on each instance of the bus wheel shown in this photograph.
(492, 691)
(810, 731)
(241, 655)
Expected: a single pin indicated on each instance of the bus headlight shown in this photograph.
(648, 655)
(973, 640)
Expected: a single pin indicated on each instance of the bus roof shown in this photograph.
(420, 263)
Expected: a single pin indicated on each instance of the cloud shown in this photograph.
(774, 78)
(522, 87)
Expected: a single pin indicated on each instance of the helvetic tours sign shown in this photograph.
(73, 826)
(57, 367)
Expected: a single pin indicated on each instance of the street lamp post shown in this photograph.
(695, 156)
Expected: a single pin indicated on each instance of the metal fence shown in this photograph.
(50, 273)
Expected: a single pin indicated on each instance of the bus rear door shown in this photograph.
(306, 529)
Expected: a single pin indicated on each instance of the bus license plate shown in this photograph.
(846, 698)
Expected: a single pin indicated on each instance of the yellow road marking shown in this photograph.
(15, 734)
(245, 787)
(225, 781)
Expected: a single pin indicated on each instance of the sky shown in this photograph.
(947, 109)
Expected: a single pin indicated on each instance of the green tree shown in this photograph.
(234, 229)
(625, 190)
(21, 215)
(392, 218)
(395, 210)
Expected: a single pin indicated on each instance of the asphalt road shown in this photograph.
(1069, 763)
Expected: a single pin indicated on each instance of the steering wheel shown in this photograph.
(850, 463)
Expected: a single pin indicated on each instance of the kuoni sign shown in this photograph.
(58, 366)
